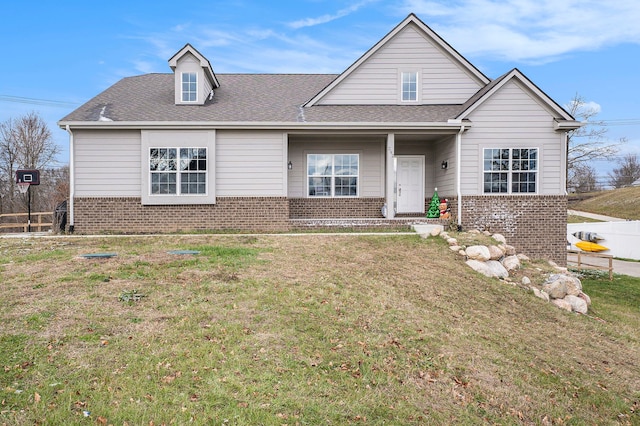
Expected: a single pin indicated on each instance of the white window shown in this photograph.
(189, 87)
(409, 86)
(178, 171)
(332, 175)
(510, 170)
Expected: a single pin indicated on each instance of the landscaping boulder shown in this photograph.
(572, 284)
(495, 253)
(541, 294)
(509, 250)
(578, 304)
(586, 298)
(491, 268)
(511, 263)
(556, 289)
(480, 253)
(562, 304)
(499, 238)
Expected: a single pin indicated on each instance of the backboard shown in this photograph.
(32, 177)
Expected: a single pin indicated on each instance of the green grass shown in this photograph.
(302, 330)
(618, 300)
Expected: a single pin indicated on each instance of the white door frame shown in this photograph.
(421, 192)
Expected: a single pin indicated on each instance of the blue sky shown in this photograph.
(57, 55)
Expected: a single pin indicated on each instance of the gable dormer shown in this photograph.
(194, 78)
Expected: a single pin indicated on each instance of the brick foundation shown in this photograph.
(128, 215)
(323, 208)
(536, 225)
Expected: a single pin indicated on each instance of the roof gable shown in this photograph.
(456, 60)
(516, 75)
(204, 63)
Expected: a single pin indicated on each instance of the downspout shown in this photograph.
(71, 180)
(458, 174)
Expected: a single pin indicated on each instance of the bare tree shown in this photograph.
(589, 142)
(25, 143)
(627, 172)
(583, 178)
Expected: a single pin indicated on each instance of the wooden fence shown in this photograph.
(41, 221)
(588, 260)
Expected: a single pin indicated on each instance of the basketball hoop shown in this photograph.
(23, 187)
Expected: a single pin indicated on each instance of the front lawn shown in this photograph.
(308, 329)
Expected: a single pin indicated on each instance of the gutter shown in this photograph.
(264, 125)
(458, 174)
(71, 180)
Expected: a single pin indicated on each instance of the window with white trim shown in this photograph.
(178, 171)
(189, 87)
(409, 86)
(333, 175)
(510, 170)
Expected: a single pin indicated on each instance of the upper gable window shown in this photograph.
(189, 87)
(409, 86)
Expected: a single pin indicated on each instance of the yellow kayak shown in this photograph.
(589, 246)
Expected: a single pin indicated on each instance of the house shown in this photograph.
(193, 149)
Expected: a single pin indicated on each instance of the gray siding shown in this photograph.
(512, 118)
(251, 163)
(190, 63)
(372, 160)
(445, 180)
(107, 163)
(377, 81)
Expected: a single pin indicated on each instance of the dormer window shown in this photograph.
(409, 86)
(189, 87)
(193, 79)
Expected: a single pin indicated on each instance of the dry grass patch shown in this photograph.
(622, 202)
(295, 330)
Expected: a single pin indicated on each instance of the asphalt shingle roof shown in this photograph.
(244, 98)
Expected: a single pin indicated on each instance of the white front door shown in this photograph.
(410, 183)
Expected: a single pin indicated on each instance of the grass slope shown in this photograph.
(310, 329)
(623, 203)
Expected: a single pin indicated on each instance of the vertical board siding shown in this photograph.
(442, 80)
(512, 118)
(107, 163)
(250, 163)
(371, 171)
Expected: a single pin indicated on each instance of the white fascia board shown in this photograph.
(120, 125)
(568, 125)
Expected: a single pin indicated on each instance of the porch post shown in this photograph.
(390, 176)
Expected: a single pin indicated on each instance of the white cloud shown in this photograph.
(582, 107)
(530, 30)
(310, 22)
(144, 66)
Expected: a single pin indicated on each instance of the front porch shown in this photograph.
(389, 175)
